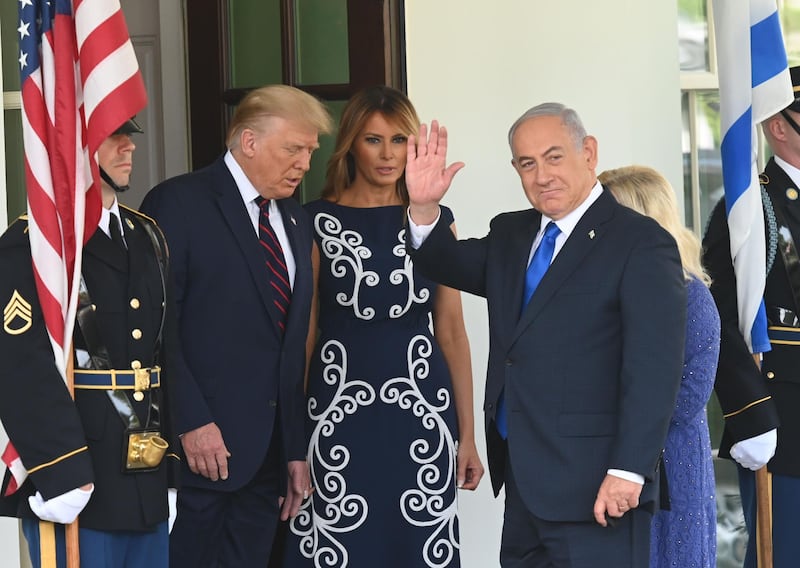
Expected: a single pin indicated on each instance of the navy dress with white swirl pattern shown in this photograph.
(381, 414)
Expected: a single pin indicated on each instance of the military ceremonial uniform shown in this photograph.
(755, 401)
(65, 444)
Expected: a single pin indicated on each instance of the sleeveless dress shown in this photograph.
(685, 536)
(381, 413)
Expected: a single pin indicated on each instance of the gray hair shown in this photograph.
(568, 116)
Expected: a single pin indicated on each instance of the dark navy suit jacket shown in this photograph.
(591, 367)
(234, 367)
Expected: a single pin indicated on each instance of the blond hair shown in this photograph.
(281, 101)
(645, 190)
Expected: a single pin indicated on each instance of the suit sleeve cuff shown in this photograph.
(418, 233)
(627, 475)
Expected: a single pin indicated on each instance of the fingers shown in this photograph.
(211, 465)
(452, 170)
(411, 148)
(462, 473)
(206, 453)
(222, 465)
(441, 147)
(290, 505)
(605, 513)
(422, 144)
(600, 513)
(433, 139)
(471, 479)
(298, 489)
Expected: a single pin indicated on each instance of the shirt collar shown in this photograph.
(105, 217)
(791, 171)
(569, 221)
(246, 189)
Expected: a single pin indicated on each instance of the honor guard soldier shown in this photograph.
(109, 455)
(761, 404)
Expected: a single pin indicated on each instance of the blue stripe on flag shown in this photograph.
(736, 158)
(758, 333)
(767, 53)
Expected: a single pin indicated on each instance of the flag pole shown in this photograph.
(763, 508)
(764, 517)
(71, 530)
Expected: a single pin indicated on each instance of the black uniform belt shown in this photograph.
(784, 335)
(116, 379)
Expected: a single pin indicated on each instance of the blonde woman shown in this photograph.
(686, 534)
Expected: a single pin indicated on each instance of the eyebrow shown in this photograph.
(550, 150)
(376, 135)
(300, 146)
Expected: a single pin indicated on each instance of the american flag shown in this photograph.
(754, 84)
(80, 81)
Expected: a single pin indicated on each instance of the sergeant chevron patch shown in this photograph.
(17, 315)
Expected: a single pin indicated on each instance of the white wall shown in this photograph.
(476, 66)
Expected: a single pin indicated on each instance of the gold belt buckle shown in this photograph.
(141, 382)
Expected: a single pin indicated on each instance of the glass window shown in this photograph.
(702, 161)
(790, 23)
(15, 165)
(9, 22)
(322, 42)
(255, 43)
(693, 35)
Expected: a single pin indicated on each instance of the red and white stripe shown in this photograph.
(87, 86)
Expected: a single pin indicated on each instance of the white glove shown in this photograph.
(754, 453)
(172, 500)
(64, 508)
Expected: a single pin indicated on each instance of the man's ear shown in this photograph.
(776, 127)
(590, 151)
(247, 142)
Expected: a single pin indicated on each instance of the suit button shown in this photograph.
(136, 333)
(134, 303)
(136, 364)
(770, 375)
(273, 403)
(509, 362)
(490, 406)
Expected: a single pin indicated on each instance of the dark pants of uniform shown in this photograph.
(785, 508)
(531, 542)
(101, 549)
(217, 529)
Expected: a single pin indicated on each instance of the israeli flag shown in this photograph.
(754, 84)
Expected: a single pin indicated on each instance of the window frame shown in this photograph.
(375, 24)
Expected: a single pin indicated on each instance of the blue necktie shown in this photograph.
(536, 269)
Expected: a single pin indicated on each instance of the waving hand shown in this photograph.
(427, 175)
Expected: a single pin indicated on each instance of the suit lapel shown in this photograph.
(101, 247)
(513, 271)
(587, 233)
(233, 210)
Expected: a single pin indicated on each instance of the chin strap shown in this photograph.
(112, 183)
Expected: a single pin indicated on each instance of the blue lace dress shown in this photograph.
(685, 536)
(380, 406)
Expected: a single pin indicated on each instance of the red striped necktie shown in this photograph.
(276, 262)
